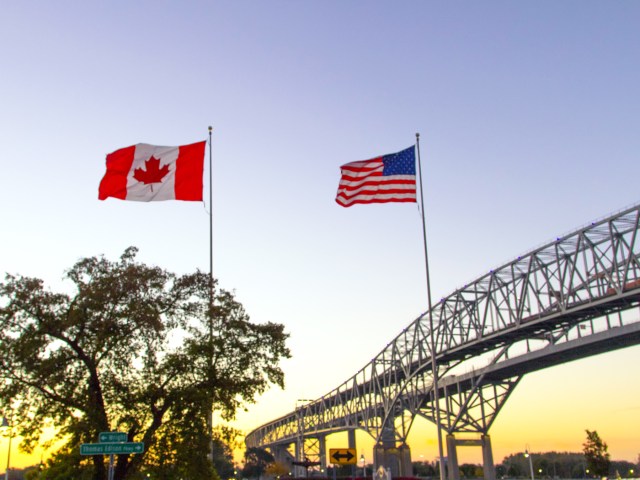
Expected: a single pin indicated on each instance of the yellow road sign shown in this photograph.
(343, 456)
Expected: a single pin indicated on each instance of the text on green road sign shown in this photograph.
(111, 448)
(106, 437)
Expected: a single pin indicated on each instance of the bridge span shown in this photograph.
(574, 297)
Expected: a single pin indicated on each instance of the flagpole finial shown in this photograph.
(417, 135)
(210, 128)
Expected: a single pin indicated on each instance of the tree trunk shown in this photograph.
(100, 472)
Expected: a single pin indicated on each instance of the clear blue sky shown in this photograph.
(529, 114)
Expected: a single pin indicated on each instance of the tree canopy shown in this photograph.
(596, 454)
(133, 348)
(256, 461)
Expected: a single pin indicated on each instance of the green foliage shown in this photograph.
(133, 348)
(549, 465)
(65, 464)
(468, 470)
(223, 439)
(596, 454)
(277, 469)
(622, 468)
(422, 469)
(256, 461)
(545, 465)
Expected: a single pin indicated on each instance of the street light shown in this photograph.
(5, 423)
(364, 468)
(528, 455)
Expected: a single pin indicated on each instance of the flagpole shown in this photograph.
(434, 366)
(210, 415)
(210, 211)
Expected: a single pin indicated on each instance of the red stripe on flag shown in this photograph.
(373, 183)
(376, 198)
(189, 170)
(379, 200)
(114, 182)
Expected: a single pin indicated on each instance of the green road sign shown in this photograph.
(111, 437)
(111, 448)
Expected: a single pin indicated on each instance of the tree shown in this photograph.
(224, 440)
(132, 348)
(277, 469)
(596, 455)
(622, 468)
(552, 464)
(423, 469)
(469, 470)
(256, 461)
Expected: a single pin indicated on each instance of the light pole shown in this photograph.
(5, 423)
(528, 455)
(364, 469)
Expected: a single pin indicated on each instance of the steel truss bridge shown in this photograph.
(571, 298)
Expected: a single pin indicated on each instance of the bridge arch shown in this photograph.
(576, 296)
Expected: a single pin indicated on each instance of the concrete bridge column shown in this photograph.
(484, 442)
(299, 471)
(452, 459)
(406, 468)
(382, 452)
(351, 435)
(395, 459)
(487, 458)
(378, 456)
(322, 451)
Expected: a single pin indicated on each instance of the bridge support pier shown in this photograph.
(406, 467)
(487, 458)
(452, 459)
(397, 460)
(386, 453)
(351, 438)
(484, 442)
(322, 452)
(299, 471)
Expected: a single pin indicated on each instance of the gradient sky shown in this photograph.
(529, 114)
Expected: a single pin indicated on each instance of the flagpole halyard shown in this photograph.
(434, 366)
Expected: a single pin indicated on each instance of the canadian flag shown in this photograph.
(146, 173)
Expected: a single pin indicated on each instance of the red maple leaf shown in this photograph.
(153, 172)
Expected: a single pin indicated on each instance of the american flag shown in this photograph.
(389, 178)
